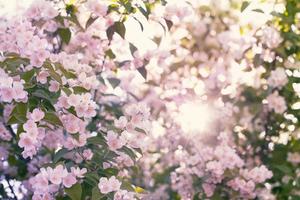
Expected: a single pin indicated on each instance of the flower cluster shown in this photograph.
(11, 89)
(203, 104)
(48, 180)
(33, 136)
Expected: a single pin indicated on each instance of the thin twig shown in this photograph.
(11, 188)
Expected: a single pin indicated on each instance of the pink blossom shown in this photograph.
(208, 189)
(63, 102)
(7, 94)
(97, 7)
(271, 37)
(78, 172)
(29, 152)
(3, 153)
(51, 26)
(124, 195)
(73, 124)
(42, 77)
(36, 61)
(104, 186)
(109, 185)
(294, 158)
(125, 160)
(121, 122)
(87, 154)
(37, 115)
(74, 100)
(215, 167)
(18, 90)
(4, 133)
(40, 182)
(49, 12)
(57, 174)
(114, 141)
(30, 125)
(276, 103)
(278, 78)
(54, 86)
(41, 9)
(69, 180)
(26, 141)
(258, 174)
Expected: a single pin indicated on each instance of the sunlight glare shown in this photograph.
(195, 117)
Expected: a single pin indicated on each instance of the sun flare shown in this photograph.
(195, 117)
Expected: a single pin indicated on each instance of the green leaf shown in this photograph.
(12, 160)
(96, 195)
(285, 169)
(66, 73)
(13, 120)
(140, 23)
(51, 118)
(21, 119)
(140, 130)
(129, 152)
(72, 111)
(257, 61)
(92, 178)
(79, 90)
(18, 114)
(74, 192)
(3, 192)
(58, 155)
(47, 105)
(111, 172)
(110, 32)
(67, 90)
(139, 150)
(127, 186)
(73, 18)
(65, 34)
(143, 71)
(70, 9)
(277, 14)
(97, 140)
(258, 10)
(120, 29)
(28, 85)
(114, 82)
(132, 48)
(13, 63)
(163, 26)
(245, 4)
(27, 76)
(163, 2)
(33, 102)
(59, 19)
(90, 21)
(40, 93)
(113, 7)
(21, 108)
(52, 72)
(20, 129)
(120, 64)
(169, 23)
(110, 54)
(144, 12)
(108, 172)
(55, 76)
(216, 196)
